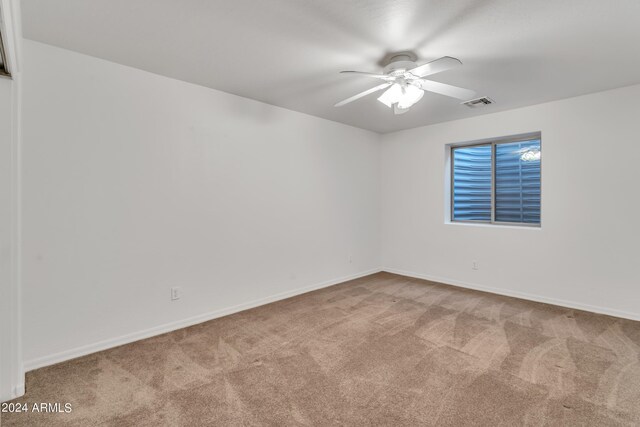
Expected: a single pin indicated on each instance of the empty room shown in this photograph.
(319, 213)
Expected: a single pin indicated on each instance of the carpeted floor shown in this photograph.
(381, 350)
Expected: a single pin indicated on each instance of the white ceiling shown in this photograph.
(289, 52)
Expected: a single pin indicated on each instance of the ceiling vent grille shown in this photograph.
(478, 102)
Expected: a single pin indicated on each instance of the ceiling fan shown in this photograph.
(405, 83)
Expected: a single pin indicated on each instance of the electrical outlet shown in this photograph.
(475, 265)
(175, 293)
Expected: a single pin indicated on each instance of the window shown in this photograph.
(497, 181)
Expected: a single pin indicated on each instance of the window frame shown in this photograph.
(492, 142)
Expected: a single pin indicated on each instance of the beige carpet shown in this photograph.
(381, 350)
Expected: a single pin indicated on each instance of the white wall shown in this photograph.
(134, 183)
(586, 253)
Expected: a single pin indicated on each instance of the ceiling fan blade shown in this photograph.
(436, 66)
(374, 75)
(445, 89)
(362, 94)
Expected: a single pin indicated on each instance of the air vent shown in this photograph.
(478, 102)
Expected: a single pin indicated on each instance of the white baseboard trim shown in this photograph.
(73, 353)
(18, 390)
(517, 294)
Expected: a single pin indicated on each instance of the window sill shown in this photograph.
(495, 225)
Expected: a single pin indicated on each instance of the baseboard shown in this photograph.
(18, 390)
(517, 294)
(32, 364)
(14, 392)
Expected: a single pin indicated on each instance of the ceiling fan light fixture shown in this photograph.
(410, 96)
(404, 96)
(391, 95)
(397, 110)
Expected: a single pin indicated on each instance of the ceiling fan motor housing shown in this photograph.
(400, 62)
